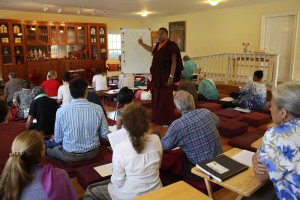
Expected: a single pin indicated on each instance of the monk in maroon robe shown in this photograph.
(165, 70)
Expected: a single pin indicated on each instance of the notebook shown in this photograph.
(244, 110)
(117, 136)
(221, 167)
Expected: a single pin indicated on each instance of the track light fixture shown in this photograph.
(46, 8)
(60, 10)
(78, 11)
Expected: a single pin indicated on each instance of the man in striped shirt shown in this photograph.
(78, 126)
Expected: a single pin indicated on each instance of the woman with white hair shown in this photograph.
(278, 159)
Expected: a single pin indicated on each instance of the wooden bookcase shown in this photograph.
(36, 46)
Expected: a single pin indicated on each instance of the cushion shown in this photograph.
(137, 94)
(244, 141)
(210, 106)
(256, 119)
(227, 113)
(70, 167)
(87, 175)
(232, 128)
(113, 67)
(172, 161)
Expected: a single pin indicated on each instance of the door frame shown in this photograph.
(294, 40)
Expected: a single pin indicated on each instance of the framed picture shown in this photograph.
(177, 34)
(154, 38)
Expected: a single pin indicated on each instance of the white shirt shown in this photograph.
(100, 82)
(64, 94)
(135, 174)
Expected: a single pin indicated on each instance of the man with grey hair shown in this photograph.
(43, 110)
(14, 84)
(195, 132)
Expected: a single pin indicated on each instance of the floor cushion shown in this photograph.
(256, 119)
(227, 113)
(244, 141)
(232, 128)
(210, 106)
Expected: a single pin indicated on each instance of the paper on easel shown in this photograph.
(116, 137)
(104, 170)
(244, 157)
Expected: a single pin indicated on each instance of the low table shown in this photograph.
(244, 183)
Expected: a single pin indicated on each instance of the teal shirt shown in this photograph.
(188, 69)
(208, 89)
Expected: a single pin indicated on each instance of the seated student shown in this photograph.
(136, 161)
(22, 100)
(195, 132)
(63, 94)
(78, 126)
(188, 68)
(100, 80)
(13, 85)
(126, 80)
(252, 96)
(207, 89)
(26, 177)
(278, 159)
(124, 97)
(51, 85)
(43, 110)
(188, 86)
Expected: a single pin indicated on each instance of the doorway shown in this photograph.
(278, 36)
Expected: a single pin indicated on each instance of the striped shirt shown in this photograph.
(79, 126)
(196, 133)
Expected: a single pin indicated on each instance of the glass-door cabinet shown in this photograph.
(37, 34)
(57, 34)
(12, 48)
(98, 41)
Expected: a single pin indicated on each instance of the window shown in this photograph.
(114, 45)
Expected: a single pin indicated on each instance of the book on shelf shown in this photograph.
(221, 167)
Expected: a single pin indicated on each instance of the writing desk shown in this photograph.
(257, 143)
(175, 191)
(244, 183)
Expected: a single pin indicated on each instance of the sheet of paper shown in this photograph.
(244, 157)
(104, 170)
(227, 99)
(116, 137)
(112, 128)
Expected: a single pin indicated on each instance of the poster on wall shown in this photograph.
(177, 34)
(154, 38)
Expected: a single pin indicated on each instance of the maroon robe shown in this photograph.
(162, 95)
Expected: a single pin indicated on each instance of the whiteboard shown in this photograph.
(134, 58)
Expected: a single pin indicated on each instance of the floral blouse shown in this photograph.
(252, 96)
(280, 152)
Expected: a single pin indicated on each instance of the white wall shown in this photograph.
(221, 31)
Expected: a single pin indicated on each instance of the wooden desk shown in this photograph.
(76, 73)
(175, 191)
(244, 183)
(257, 143)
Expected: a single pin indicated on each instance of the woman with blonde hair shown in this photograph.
(51, 85)
(136, 160)
(25, 177)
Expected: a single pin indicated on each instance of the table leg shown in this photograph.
(239, 197)
(209, 188)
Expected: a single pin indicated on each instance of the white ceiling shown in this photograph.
(129, 9)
